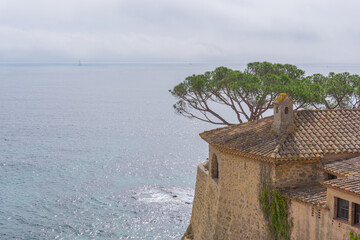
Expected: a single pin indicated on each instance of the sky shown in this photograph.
(296, 31)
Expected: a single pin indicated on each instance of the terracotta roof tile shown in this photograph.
(316, 133)
(343, 167)
(349, 184)
(310, 193)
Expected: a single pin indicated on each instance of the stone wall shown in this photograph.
(228, 207)
(289, 174)
(315, 223)
(203, 206)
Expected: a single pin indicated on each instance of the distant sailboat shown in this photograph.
(79, 64)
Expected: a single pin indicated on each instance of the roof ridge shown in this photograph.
(332, 110)
(281, 140)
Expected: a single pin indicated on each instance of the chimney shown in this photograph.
(283, 114)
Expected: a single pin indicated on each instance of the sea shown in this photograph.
(97, 152)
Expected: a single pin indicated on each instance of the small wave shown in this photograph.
(165, 195)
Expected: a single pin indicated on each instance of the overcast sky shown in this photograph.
(294, 31)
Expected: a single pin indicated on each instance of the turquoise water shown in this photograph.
(96, 152)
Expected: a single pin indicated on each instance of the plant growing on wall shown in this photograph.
(276, 212)
(354, 236)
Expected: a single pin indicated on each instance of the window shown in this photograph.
(214, 167)
(342, 209)
(286, 110)
(277, 109)
(356, 214)
(330, 176)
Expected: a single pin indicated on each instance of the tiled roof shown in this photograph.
(313, 193)
(317, 132)
(349, 184)
(343, 168)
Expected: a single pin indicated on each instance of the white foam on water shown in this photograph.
(165, 195)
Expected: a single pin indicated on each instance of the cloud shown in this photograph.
(187, 30)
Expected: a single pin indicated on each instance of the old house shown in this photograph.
(311, 156)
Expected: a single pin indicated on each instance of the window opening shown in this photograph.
(286, 110)
(356, 214)
(214, 167)
(342, 209)
(331, 176)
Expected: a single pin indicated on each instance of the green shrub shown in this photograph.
(354, 236)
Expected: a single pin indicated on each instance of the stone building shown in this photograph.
(311, 156)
